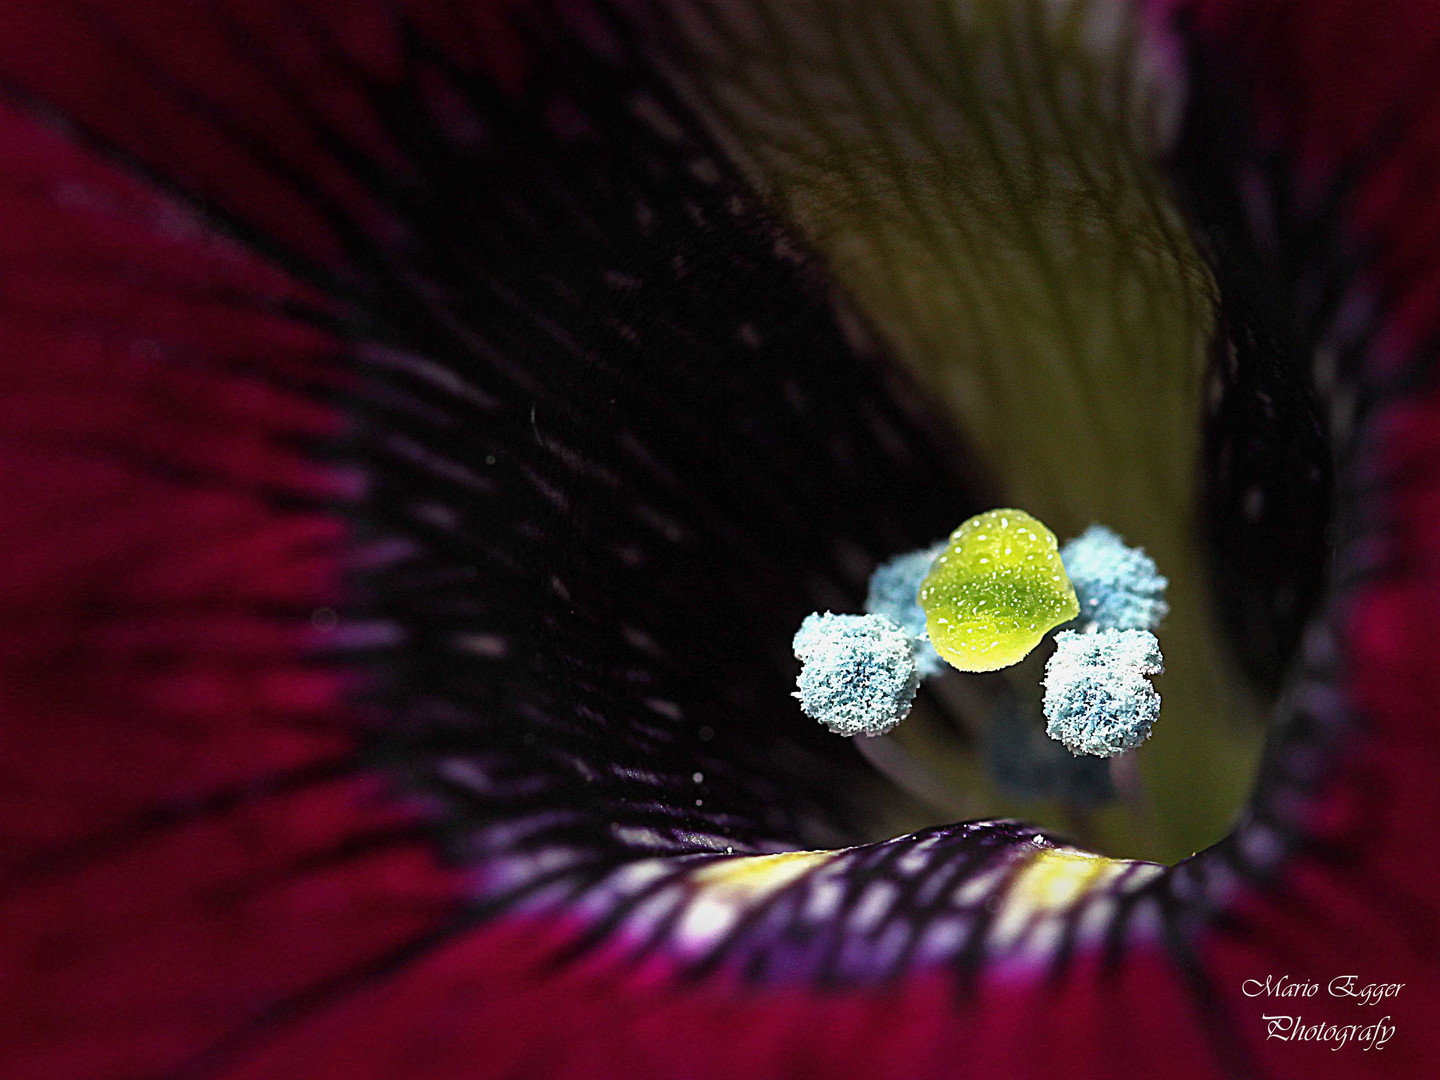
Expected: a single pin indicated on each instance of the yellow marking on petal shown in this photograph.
(754, 877)
(1051, 883)
(728, 886)
(1055, 879)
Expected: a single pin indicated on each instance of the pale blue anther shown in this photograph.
(893, 586)
(1098, 698)
(1119, 587)
(858, 675)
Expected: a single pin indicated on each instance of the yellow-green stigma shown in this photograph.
(995, 591)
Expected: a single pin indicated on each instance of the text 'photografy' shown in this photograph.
(1371, 1036)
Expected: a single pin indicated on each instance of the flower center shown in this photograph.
(983, 180)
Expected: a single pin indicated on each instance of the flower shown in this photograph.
(425, 431)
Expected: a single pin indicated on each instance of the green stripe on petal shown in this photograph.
(982, 179)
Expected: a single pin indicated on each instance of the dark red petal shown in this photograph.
(1344, 94)
(487, 1013)
(201, 860)
(186, 834)
(1346, 134)
(180, 741)
(244, 105)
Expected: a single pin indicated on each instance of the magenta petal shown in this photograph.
(178, 781)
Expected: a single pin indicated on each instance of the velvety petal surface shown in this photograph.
(421, 444)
